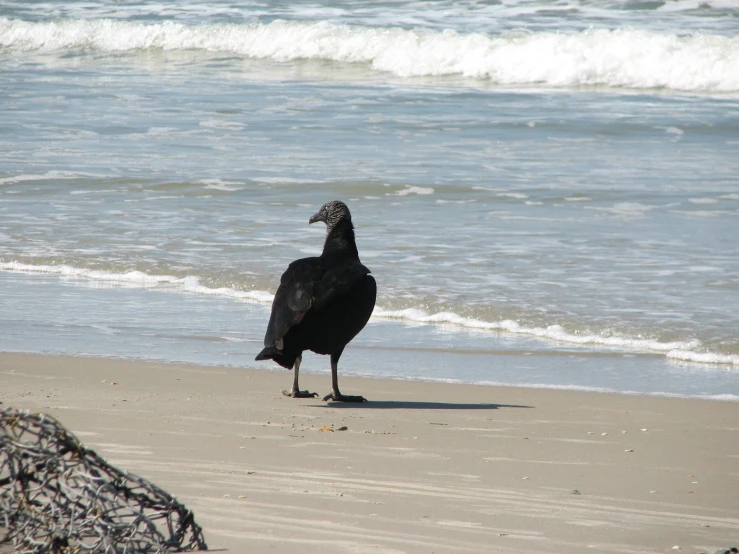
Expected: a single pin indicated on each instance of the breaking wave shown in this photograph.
(619, 58)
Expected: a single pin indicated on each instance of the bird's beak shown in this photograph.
(316, 217)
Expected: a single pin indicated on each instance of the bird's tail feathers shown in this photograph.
(285, 359)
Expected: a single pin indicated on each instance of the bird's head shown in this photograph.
(331, 213)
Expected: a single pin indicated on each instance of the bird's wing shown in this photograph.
(337, 281)
(294, 297)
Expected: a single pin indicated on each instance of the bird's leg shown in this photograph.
(295, 392)
(335, 394)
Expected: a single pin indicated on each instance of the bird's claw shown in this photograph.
(299, 394)
(343, 398)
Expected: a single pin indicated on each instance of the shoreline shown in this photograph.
(47, 315)
(421, 467)
(310, 369)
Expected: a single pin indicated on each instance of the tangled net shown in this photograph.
(56, 496)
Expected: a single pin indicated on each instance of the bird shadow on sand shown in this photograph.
(412, 405)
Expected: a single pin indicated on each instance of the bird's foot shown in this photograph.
(299, 393)
(338, 397)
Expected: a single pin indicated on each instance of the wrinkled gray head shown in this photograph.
(331, 213)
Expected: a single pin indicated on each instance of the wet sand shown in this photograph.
(421, 467)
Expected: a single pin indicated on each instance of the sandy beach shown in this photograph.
(421, 467)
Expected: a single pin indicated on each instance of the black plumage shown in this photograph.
(322, 302)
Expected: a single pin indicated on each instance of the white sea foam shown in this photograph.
(37, 177)
(674, 131)
(219, 184)
(628, 58)
(412, 190)
(677, 350)
(221, 124)
(188, 283)
(94, 274)
(703, 357)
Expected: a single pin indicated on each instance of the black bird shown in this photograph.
(322, 302)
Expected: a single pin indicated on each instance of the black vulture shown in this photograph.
(322, 302)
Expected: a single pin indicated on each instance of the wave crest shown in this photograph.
(622, 58)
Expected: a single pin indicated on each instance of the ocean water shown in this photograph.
(547, 193)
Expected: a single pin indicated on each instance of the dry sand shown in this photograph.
(422, 467)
